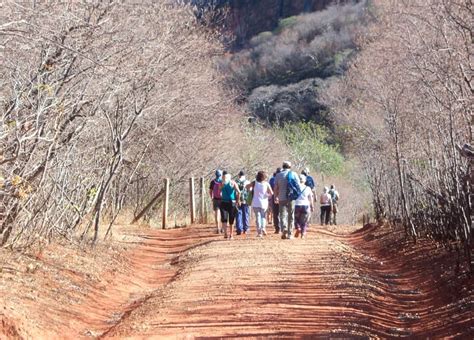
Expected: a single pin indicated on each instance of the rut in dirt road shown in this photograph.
(326, 285)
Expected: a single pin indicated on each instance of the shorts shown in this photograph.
(216, 204)
(228, 212)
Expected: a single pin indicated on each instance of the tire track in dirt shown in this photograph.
(102, 305)
(151, 268)
(327, 285)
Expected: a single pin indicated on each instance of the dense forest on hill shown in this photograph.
(283, 51)
(281, 73)
(247, 18)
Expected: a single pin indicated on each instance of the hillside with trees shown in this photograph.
(247, 18)
(281, 72)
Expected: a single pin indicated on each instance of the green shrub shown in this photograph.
(286, 23)
(309, 146)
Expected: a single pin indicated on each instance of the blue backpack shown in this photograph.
(293, 188)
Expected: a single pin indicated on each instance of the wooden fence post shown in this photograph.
(202, 193)
(166, 203)
(192, 200)
(206, 214)
(148, 206)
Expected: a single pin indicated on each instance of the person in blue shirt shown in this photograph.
(287, 204)
(230, 200)
(309, 180)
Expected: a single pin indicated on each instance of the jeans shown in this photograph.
(287, 217)
(301, 218)
(276, 219)
(243, 218)
(325, 214)
(260, 216)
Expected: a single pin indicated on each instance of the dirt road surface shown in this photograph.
(340, 282)
(327, 285)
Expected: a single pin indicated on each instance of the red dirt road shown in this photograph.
(327, 285)
(188, 283)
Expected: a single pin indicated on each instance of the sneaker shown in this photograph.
(289, 237)
(277, 231)
(264, 232)
(239, 233)
(231, 237)
(303, 235)
(297, 234)
(283, 236)
(259, 235)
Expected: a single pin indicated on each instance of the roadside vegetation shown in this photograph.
(407, 100)
(100, 102)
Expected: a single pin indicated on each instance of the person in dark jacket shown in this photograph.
(275, 206)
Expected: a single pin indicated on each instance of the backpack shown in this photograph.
(249, 197)
(293, 187)
(310, 182)
(334, 195)
(216, 191)
(325, 199)
(243, 191)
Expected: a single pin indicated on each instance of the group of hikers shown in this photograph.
(286, 200)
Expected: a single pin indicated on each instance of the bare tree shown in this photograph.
(408, 101)
(99, 102)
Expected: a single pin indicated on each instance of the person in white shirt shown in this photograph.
(261, 192)
(303, 208)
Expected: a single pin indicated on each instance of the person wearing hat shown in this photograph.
(242, 222)
(286, 205)
(309, 180)
(215, 194)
